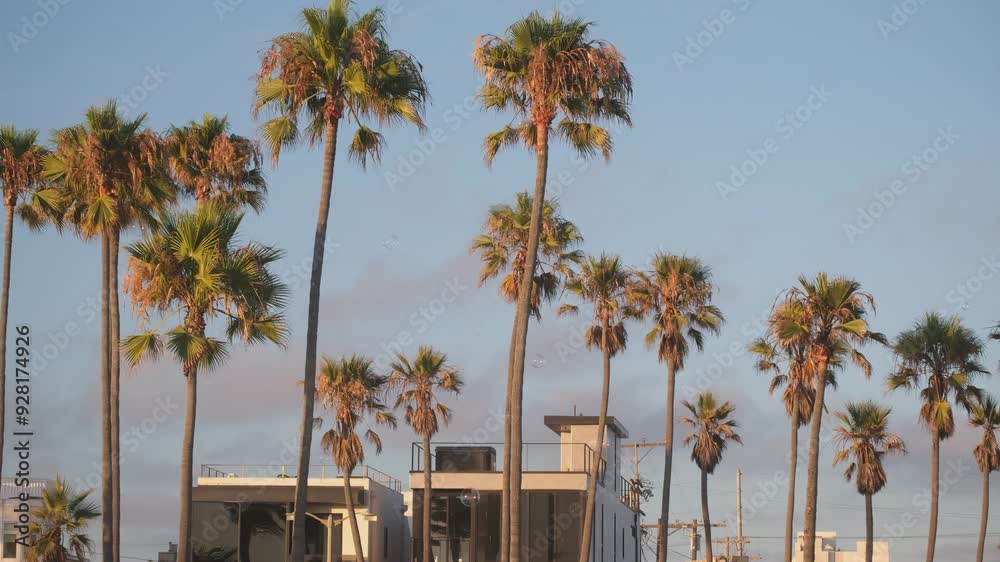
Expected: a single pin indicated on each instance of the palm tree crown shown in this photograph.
(604, 283)
(110, 170)
(864, 438)
(21, 159)
(420, 381)
(542, 68)
(713, 428)
(191, 264)
(789, 365)
(503, 247)
(939, 356)
(337, 67)
(212, 164)
(58, 528)
(351, 391)
(985, 415)
(677, 293)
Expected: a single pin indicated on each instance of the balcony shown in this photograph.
(322, 472)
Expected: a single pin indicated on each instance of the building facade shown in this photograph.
(466, 488)
(828, 551)
(10, 502)
(243, 513)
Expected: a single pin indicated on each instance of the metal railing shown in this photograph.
(288, 471)
(487, 457)
(34, 488)
(629, 492)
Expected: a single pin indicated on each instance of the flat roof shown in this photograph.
(560, 424)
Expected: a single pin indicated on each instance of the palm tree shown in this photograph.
(20, 176)
(541, 69)
(503, 248)
(212, 164)
(677, 294)
(985, 415)
(190, 266)
(864, 438)
(338, 67)
(791, 370)
(713, 428)
(111, 176)
(605, 284)
(830, 320)
(421, 381)
(939, 356)
(58, 527)
(351, 390)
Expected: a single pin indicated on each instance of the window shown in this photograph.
(385, 543)
(9, 546)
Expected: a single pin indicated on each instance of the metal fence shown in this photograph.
(289, 471)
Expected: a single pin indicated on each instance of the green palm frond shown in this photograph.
(421, 382)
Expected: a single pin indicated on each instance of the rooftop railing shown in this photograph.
(288, 471)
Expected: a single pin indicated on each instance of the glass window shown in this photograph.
(262, 533)
(488, 528)
(9, 538)
(214, 531)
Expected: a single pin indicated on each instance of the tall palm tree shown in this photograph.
(212, 164)
(830, 320)
(338, 67)
(352, 391)
(792, 370)
(541, 69)
(605, 284)
(20, 177)
(864, 439)
(939, 357)
(191, 266)
(58, 528)
(985, 415)
(111, 175)
(503, 248)
(422, 381)
(677, 294)
(713, 428)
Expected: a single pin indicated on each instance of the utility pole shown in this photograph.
(739, 515)
(693, 527)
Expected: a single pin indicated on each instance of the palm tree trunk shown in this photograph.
(312, 333)
(812, 470)
(425, 526)
(184, 547)
(107, 486)
(935, 464)
(521, 337)
(869, 528)
(8, 244)
(115, 341)
(505, 478)
(793, 461)
(668, 457)
(985, 516)
(595, 469)
(705, 519)
(355, 532)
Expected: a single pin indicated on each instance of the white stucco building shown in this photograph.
(9, 504)
(465, 502)
(827, 549)
(243, 513)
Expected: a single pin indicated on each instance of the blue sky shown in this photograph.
(924, 88)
